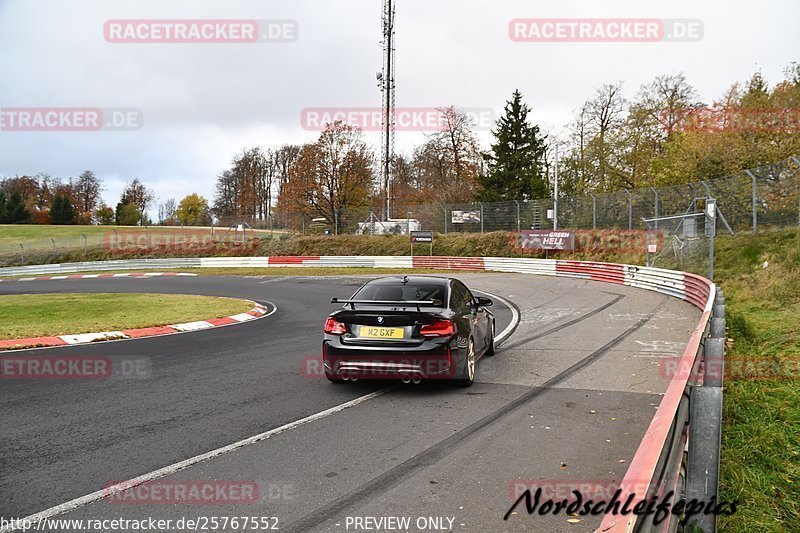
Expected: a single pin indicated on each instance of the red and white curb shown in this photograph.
(95, 276)
(259, 311)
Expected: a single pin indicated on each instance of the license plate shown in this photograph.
(371, 332)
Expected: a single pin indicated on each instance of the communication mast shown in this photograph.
(386, 79)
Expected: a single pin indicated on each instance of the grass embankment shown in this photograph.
(39, 315)
(593, 245)
(761, 431)
(23, 233)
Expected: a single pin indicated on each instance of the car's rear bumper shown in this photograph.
(429, 361)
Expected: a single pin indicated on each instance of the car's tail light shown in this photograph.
(333, 327)
(440, 328)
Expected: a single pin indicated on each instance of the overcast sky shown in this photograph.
(201, 103)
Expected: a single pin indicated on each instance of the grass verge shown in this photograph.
(761, 424)
(39, 315)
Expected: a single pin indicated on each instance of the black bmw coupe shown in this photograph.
(411, 328)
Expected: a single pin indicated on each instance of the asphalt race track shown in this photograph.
(567, 399)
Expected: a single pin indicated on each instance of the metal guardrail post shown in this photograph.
(714, 363)
(702, 468)
(718, 328)
(705, 429)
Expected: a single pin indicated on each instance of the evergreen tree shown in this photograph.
(127, 213)
(16, 212)
(62, 211)
(517, 160)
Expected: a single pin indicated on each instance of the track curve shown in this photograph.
(580, 346)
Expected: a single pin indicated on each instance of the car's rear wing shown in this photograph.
(417, 304)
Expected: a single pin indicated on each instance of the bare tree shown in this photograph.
(166, 211)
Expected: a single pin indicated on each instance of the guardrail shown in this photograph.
(690, 411)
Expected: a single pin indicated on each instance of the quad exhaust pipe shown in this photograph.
(416, 380)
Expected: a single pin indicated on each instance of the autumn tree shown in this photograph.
(86, 191)
(251, 170)
(193, 210)
(104, 215)
(138, 194)
(449, 162)
(329, 176)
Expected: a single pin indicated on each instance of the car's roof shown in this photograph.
(428, 280)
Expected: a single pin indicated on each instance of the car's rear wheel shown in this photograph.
(468, 376)
(490, 350)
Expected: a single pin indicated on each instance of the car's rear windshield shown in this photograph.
(391, 292)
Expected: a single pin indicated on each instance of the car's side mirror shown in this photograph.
(485, 302)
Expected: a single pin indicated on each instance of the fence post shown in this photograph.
(481, 204)
(336, 221)
(54, 246)
(518, 217)
(630, 209)
(22, 251)
(655, 192)
(755, 201)
(445, 219)
(594, 211)
(84, 245)
(798, 189)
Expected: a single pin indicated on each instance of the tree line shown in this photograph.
(658, 137)
(43, 199)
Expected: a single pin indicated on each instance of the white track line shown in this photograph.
(514, 316)
(177, 467)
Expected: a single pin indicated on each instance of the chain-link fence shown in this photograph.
(764, 196)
